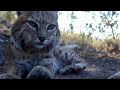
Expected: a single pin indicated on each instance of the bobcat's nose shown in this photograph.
(42, 39)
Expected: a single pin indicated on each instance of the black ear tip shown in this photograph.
(18, 13)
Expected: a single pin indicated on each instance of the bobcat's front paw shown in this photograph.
(72, 69)
(39, 72)
(7, 76)
(79, 66)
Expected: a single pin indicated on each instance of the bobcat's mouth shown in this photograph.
(41, 45)
(37, 45)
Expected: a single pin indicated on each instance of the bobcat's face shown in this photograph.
(38, 31)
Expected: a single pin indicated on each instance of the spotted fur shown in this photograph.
(35, 46)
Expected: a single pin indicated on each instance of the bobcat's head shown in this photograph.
(35, 30)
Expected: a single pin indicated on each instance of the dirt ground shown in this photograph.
(99, 66)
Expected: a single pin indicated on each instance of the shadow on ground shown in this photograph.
(100, 66)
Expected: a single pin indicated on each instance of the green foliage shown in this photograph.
(72, 17)
(108, 20)
(8, 15)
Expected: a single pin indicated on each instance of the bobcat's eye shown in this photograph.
(33, 24)
(50, 27)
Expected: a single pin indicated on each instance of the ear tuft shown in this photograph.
(24, 13)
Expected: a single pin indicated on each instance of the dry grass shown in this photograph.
(84, 41)
(70, 38)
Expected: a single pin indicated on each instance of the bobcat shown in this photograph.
(35, 49)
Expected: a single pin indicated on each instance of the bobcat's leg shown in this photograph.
(8, 76)
(39, 72)
(46, 69)
(70, 61)
(72, 69)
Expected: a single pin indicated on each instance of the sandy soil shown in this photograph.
(99, 66)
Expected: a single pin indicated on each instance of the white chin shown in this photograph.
(40, 46)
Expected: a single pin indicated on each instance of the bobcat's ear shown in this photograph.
(54, 13)
(18, 13)
(24, 13)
